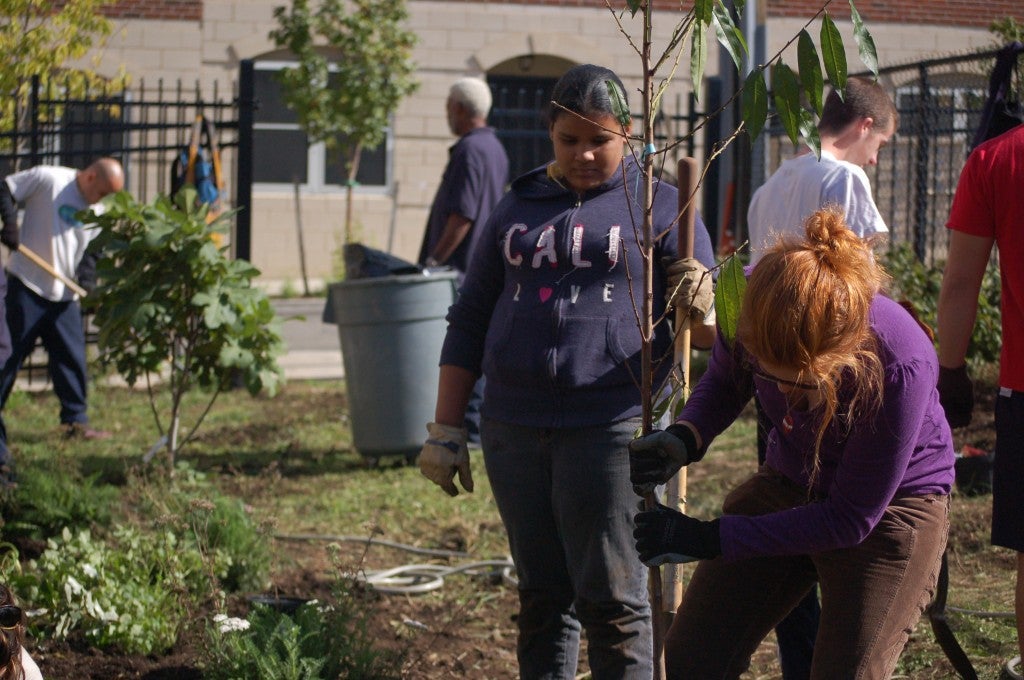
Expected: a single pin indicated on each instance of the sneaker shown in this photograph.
(83, 431)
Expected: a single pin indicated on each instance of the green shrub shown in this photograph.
(329, 640)
(317, 641)
(168, 292)
(914, 281)
(232, 531)
(234, 545)
(130, 595)
(48, 500)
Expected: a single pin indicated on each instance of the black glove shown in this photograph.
(655, 457)
(664, 535)
(9, 236)
(956, 393)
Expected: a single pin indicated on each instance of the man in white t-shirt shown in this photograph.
(852, 129)
(39, 304)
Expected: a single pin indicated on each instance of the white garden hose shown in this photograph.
(422, 578)
(414, 578)
(1012, 669)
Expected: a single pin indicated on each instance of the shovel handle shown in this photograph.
(48, 268)
(687, 173)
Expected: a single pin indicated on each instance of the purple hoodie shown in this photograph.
(904, 449)
(549, 307)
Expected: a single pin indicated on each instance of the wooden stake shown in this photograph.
(672, 576)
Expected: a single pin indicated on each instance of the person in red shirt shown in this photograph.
(988, 208)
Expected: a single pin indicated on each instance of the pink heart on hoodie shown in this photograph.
(545, 293)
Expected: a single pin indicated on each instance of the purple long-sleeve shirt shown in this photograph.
(903, 449)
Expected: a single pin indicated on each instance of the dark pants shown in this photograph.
(872, 594)
(795, 633)
(1008, 471)
(566, 501)
(59, 325)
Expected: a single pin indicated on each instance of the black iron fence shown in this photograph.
(939, 103)
(143, 126)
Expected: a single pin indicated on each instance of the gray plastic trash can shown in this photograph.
(391, 330)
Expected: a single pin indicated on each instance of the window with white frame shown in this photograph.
(283, 154)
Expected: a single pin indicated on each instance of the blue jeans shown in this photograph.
(567, 505)
(59, 324)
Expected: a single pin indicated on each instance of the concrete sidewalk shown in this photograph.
(313, 350)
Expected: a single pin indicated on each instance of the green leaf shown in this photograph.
(702, 12)
(729, 297)
(618, 99)
(810, 71)
(698, 56)
(729, 35)
(865, 43)
(786, 91)
(833, 53)
(809, 131)
(634, 6)
(755, 103)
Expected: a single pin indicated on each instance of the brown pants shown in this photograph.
(871, 594)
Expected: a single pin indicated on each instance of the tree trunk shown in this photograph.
(353, 170)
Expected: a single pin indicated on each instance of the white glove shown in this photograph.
(444, 454)
(689, 286)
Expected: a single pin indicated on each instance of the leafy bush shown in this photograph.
(920, 284)
(234, 545)
(315, 642)
(169, 299)
(130, 595)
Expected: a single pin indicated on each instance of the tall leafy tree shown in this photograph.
(41, 38)
(354, 68)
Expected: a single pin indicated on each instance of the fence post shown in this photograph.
(243, 181)
(33, 140)
(921, 157)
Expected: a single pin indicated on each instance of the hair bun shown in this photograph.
(829, 237)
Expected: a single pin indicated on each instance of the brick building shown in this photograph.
(509, 42)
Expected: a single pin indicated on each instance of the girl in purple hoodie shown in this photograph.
(548, 313)
(854, 492)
